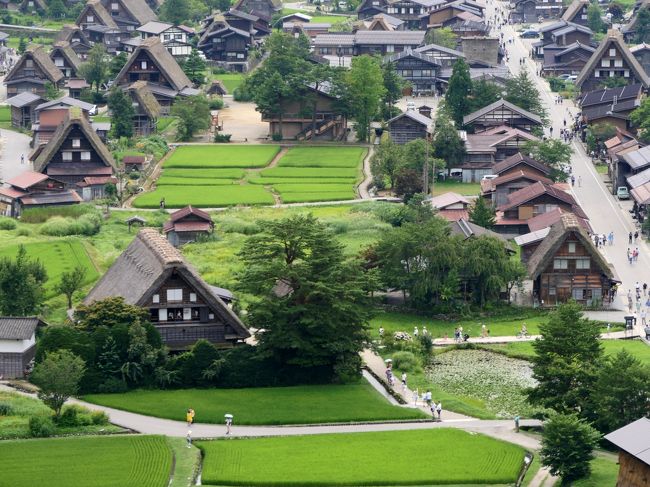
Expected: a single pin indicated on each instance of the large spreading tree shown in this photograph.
(97, 67)
(58, 377)
(365, 90)
(21, 285)
(193, 113)
(552, 152)
(311, 303)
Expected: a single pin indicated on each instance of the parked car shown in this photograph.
(93, 110)
(622, 193)
(529, 34)
(410, 105)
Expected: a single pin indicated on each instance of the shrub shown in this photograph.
(99, 417)
(426, 342)
(216, 103)
(7, 223)
(5, 409)
(277, 137)
(69, 417)
(87, 224)
(41, 426)
(405, 361)
(242, 94)
(222, 138)
(235, 225)
(23, 232)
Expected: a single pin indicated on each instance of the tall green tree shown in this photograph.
(443, 36)
(482, 214)
(643, 25)
(408, 183)
(447, 144)
(365, 88)
(21, 285)
(567, 447)
(96, 68)
(52, 92)
(567, 359)
(484, 93)
(387, 160)
(457, 97)
(621, 393)
(595, 18)
(311, 302)
(71, 282)
(122, 113)
(269, 97)
(109, 312)
(194, 66)
(393, 86)
(117, 63)
(552, 152)
(56, 9)
(521, 91)
(193, 114)
(175, 11)
(58, 378)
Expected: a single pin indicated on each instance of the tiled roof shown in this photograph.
(18, 328)
(533, 191)
(27, 179)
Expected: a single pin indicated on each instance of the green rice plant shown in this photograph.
(204, 173)
(221, 156)
(127, 461)
(417, 457)
(58, 226)
(310, 172)
(40, 215)
(316, 188)
(173, 181)
(204, 196)
(272, 181)
(350, 157)
(308, 197)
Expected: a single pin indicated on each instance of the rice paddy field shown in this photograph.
(417, 457)
(125, 461)
(211, 176)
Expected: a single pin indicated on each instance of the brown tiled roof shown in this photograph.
(493, 184)
(27, 179)
(516, 159)
(533, 191)
(547, 219)
(189, 210)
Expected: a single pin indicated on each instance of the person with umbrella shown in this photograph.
(228, 423)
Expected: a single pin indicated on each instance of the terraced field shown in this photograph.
(91, 461)
(223, 175)
(417, 457)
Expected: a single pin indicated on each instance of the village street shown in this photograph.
(605, 212)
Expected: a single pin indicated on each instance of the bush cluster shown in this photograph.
(58, 226)
(41, 426)
(216, 103)
(237, 225)
(41, 215)
(7, 223)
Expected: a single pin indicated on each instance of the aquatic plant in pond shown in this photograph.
(497, 380)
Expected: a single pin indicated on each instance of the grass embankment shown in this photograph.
(466, 189)
(261, 406)
(230, 80)
(427, 457)
(125, 461)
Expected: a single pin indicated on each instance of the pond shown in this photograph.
(495, 379)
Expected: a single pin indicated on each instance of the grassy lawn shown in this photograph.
(604, 472)
(204, 173)
(505, 325)
(16, 423)
(215, 156)
(179, 181)
(5, 114)
(57, 256)
(230, 80)
(271, 405)
(466, 189)
(125, 461)
(525, 349)
(164, 123)
(427, 457)
(310, 172)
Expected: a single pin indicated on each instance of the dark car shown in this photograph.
(530, 34)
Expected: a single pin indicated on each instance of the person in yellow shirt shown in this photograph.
(189, 416)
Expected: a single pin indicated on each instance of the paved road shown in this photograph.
(605, 212)
(12, 146)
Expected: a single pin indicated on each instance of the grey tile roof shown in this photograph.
(414, 115)
(334, 40)
(634, 439)
(501, 104)
(377, 37)
(18, 328)
(23, 99)
(637, 159)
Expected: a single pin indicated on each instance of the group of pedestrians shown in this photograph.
(436, 409)
(639, 302)
(600, 240)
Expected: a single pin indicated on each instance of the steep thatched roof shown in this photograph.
(68, 31)
(165, 62)
(145, 98)
(559, 232)
(64, 49)
(139, 11)
(41, 59)
(145, 265)
(613, 39)
(103, 17)
(75, 118)
(573, 9)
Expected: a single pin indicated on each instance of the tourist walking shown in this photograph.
(189, 438)
(403, 381)
(439, 410)
(645, 288)
(415, 332)
(629, 238)
(643, 315)
(636, 235)
(189, 416)
(228, 423)
(427, 398)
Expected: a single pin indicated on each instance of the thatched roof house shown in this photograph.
(152, 274)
